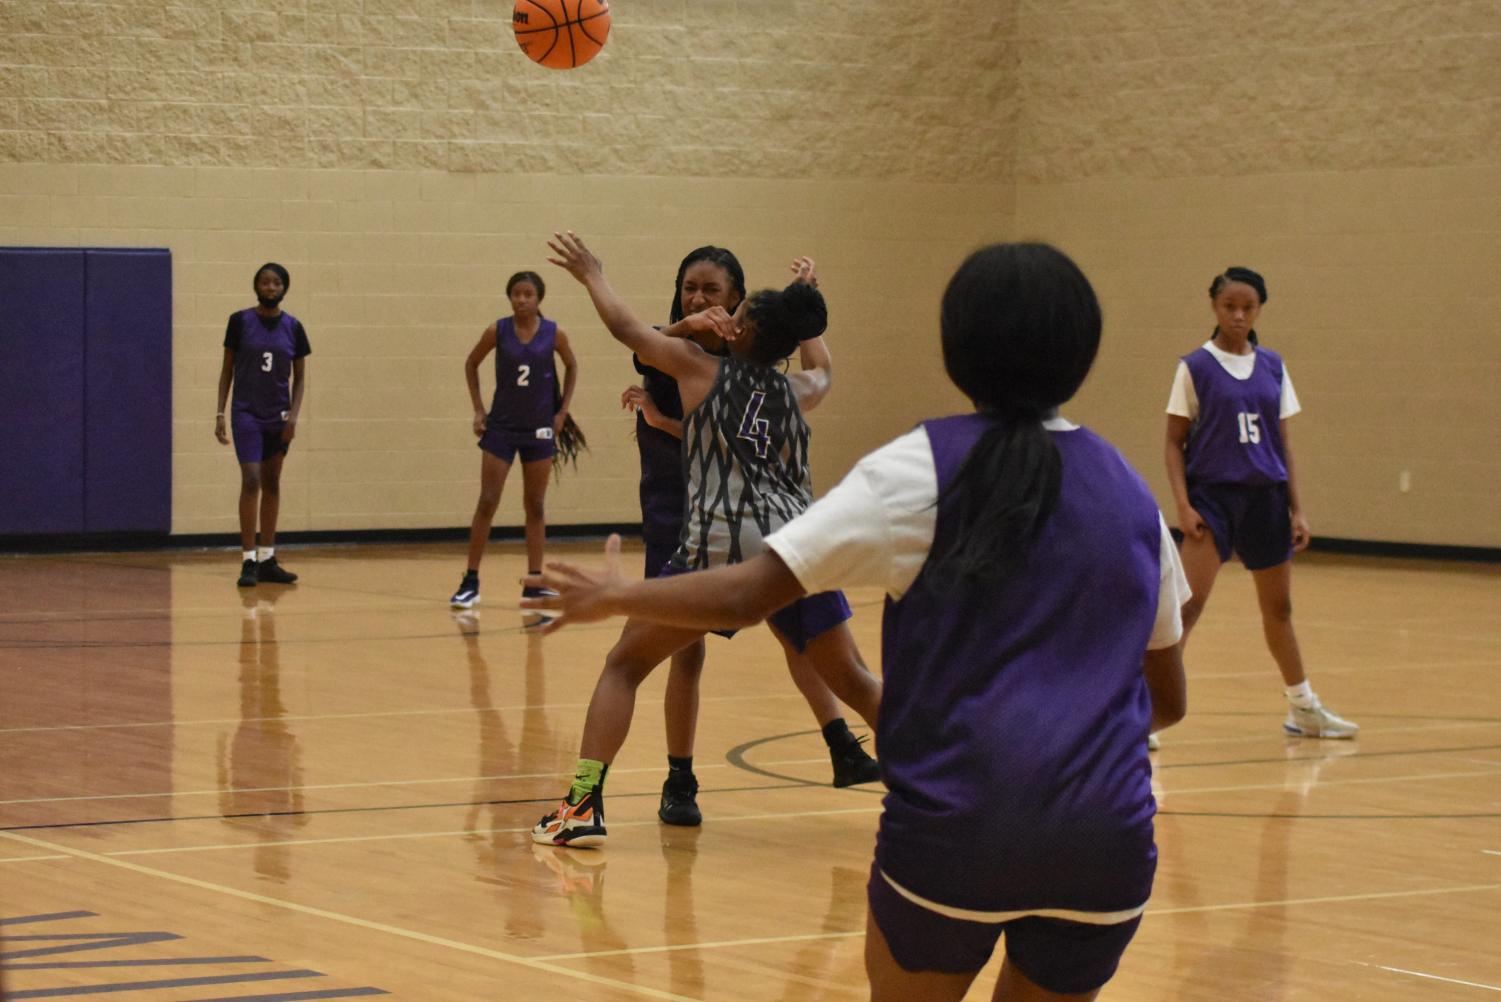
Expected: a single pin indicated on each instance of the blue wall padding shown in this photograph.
(85, 391)
(41, 390)
(128, 392)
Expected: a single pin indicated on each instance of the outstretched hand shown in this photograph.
(804, 270)
(572, 256)
(582, 593)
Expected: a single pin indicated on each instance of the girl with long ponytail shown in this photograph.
(1031, 640)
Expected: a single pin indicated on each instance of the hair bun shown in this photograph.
(807, 311)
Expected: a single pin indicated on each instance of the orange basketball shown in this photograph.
(561, 34)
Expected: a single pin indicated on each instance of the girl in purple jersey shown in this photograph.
(264, 352)
(1230, 465)
(1031, 639)
(527, 417)
(712, 276)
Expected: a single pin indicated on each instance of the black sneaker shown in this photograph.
(679, 801)
(247, 575)
(852, 765)
(268, 571)
(467, 597)
(533, 618)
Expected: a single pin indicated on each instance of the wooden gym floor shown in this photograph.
(325, 791)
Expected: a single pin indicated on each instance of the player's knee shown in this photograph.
(271, 485)
(488, 502)
(534, 507)
(1278, 610)
(250, 482)
(626, 665)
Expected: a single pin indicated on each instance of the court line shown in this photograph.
(352, 920)
(1232, 906)
(1433, 977)
(376, 784)
(315, 717)
(461, 832)
(1169, 792)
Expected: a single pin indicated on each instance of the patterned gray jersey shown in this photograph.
(745, 455)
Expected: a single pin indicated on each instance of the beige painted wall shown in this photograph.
(402, 158)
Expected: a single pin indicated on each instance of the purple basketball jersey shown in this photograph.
(1014, 722)
(664, 488)
(1237, 438)
(524, 379)
(263, 369)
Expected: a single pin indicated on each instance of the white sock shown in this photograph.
(248, 555)
(264, 553)
(1301, 695)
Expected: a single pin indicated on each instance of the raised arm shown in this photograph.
(812, 384)
(675, 356)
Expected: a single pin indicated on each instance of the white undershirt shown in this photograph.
(876, 526)
(1184, 402)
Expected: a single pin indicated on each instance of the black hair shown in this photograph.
(785, 319)
(280, 272)
(527, 276)
(571, 439)
(1235, 273)
(1020, 326)
(721, 256)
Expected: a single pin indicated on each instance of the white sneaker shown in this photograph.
(1317, 722)
(1152, 743)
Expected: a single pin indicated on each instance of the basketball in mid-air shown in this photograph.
(561, 34)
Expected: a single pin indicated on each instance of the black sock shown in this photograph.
(837, 733)
(680, 765)
(472, 572)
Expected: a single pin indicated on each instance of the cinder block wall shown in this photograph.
(402, 158)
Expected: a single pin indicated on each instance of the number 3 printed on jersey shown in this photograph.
(754, 428)
(267, 360)
(1250, 430)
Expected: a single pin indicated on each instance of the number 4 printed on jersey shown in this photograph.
(1250, 430)
(754, 428)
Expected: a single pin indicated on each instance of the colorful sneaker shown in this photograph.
(853, 765)
(268, 571)
(680, 801)
(247, 575)
(581, 824)
(467, 597)
(1317, 722)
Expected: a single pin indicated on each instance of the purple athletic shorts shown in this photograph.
(1070, 958)
(1251, 521)
(255, 444)
(505, 443)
